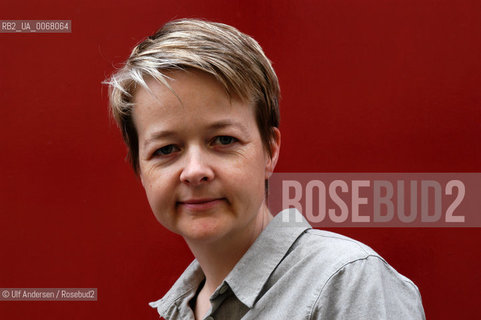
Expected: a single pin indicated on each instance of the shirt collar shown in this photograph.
(252, 271)
(178, 297)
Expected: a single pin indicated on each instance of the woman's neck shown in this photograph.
(218, 258)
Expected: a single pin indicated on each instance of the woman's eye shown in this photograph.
(224, 140)
(164, 151)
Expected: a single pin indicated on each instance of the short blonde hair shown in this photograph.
(233, 58)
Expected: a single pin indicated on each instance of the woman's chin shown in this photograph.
(204, 230)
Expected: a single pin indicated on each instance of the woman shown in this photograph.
(197, 104)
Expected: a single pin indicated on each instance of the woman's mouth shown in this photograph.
(200, 204)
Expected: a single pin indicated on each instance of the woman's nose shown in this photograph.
(197, 169)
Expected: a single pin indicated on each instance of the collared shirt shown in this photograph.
(292, 272)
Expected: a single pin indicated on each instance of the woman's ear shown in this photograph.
(275, 149)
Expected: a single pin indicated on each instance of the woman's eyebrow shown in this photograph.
(158, 135)
(228, 123)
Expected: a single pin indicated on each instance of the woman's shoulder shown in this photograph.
(330, 249)
(344, 277)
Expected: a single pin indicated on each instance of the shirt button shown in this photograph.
(209, 318)
(223, 290)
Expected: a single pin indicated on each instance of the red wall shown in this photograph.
(367, 86)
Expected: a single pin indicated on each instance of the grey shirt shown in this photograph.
(295, 272)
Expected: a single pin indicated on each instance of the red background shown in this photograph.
(367, 86)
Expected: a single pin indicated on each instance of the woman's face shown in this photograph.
(202, 161)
